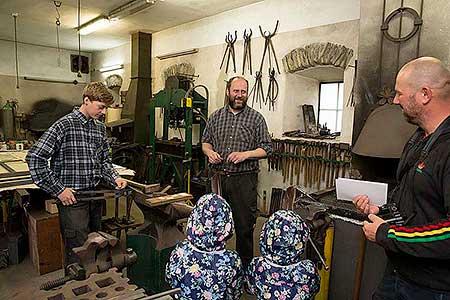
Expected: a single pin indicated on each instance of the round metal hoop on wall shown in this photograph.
(401, 10)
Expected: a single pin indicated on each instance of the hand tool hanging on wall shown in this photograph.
(247, 52)
(268, 48)
(257, 90)
(230, 51)
(272, 90)
(317, 163)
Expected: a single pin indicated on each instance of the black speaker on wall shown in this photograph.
(75, 64)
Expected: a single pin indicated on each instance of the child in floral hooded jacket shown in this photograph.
(200, 265)
(280, 273)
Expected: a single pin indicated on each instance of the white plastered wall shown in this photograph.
(40, 63)
(301, 23)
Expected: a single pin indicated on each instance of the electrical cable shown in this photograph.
(202, 116)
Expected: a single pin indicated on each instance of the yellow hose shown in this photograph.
(325, 275)
(189, 202)
(189, 181)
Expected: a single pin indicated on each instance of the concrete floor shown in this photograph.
(22, 281)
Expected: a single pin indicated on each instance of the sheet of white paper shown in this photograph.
(346, 189)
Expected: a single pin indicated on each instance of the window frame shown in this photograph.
(337, 102)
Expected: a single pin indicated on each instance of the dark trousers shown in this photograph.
(76, 222)
(393, 287)
(240, 192)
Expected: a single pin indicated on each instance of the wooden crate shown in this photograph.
(45, 241)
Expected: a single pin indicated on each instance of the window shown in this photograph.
(331, 102)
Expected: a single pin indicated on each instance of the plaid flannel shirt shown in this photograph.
(79, 155)
(228, 132)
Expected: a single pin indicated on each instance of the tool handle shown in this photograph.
(320, 255)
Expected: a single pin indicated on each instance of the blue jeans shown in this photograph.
(393, 287)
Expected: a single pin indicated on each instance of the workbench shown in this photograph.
(14, 172)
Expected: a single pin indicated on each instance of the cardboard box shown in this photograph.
(45, 242)
(51, 207)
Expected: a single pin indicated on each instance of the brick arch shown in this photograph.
(317, 54)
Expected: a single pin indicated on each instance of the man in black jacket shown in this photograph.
(419, 249)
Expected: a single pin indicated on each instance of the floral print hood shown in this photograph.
(210, 224)
(283, 238)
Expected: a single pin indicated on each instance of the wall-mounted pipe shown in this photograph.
(75, 82)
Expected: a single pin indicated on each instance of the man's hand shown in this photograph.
(363, 205)
(370, 229)
(214, 157)
(120, 183)
(67, 197)
(237, 157)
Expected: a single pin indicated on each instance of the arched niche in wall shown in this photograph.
(311, 65)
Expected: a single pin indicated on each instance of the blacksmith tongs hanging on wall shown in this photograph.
(272, 90)
(257, 90)
(247, 52)
(268, 47)
(230, 50)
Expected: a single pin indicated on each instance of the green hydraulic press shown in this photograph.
(175, 161)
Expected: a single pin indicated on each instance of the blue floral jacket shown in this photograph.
(200, 265)
(280, 273)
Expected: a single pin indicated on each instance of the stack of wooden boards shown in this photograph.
(156, 196)
(13, 170)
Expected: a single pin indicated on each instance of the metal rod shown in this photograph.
(166, 293)
(326, 267)
(79, 39)
(359, 266)
(37, 45)
(75, 82)
(15, 48)
(399, 36)
(380, 62)
(420, 31)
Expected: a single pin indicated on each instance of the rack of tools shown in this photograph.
(312, 164)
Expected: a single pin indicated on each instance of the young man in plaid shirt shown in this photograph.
(78, 151)
(235, 138)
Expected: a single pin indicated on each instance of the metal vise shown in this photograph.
(99, 253)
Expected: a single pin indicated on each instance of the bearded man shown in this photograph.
(235, 138)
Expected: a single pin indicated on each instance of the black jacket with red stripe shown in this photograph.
(420, 249)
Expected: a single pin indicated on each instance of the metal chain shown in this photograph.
(58, 24)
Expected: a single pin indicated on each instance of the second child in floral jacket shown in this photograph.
(280, 273)
(200, 265)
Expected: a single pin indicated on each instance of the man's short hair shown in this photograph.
(97, 91)
(233, 78)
